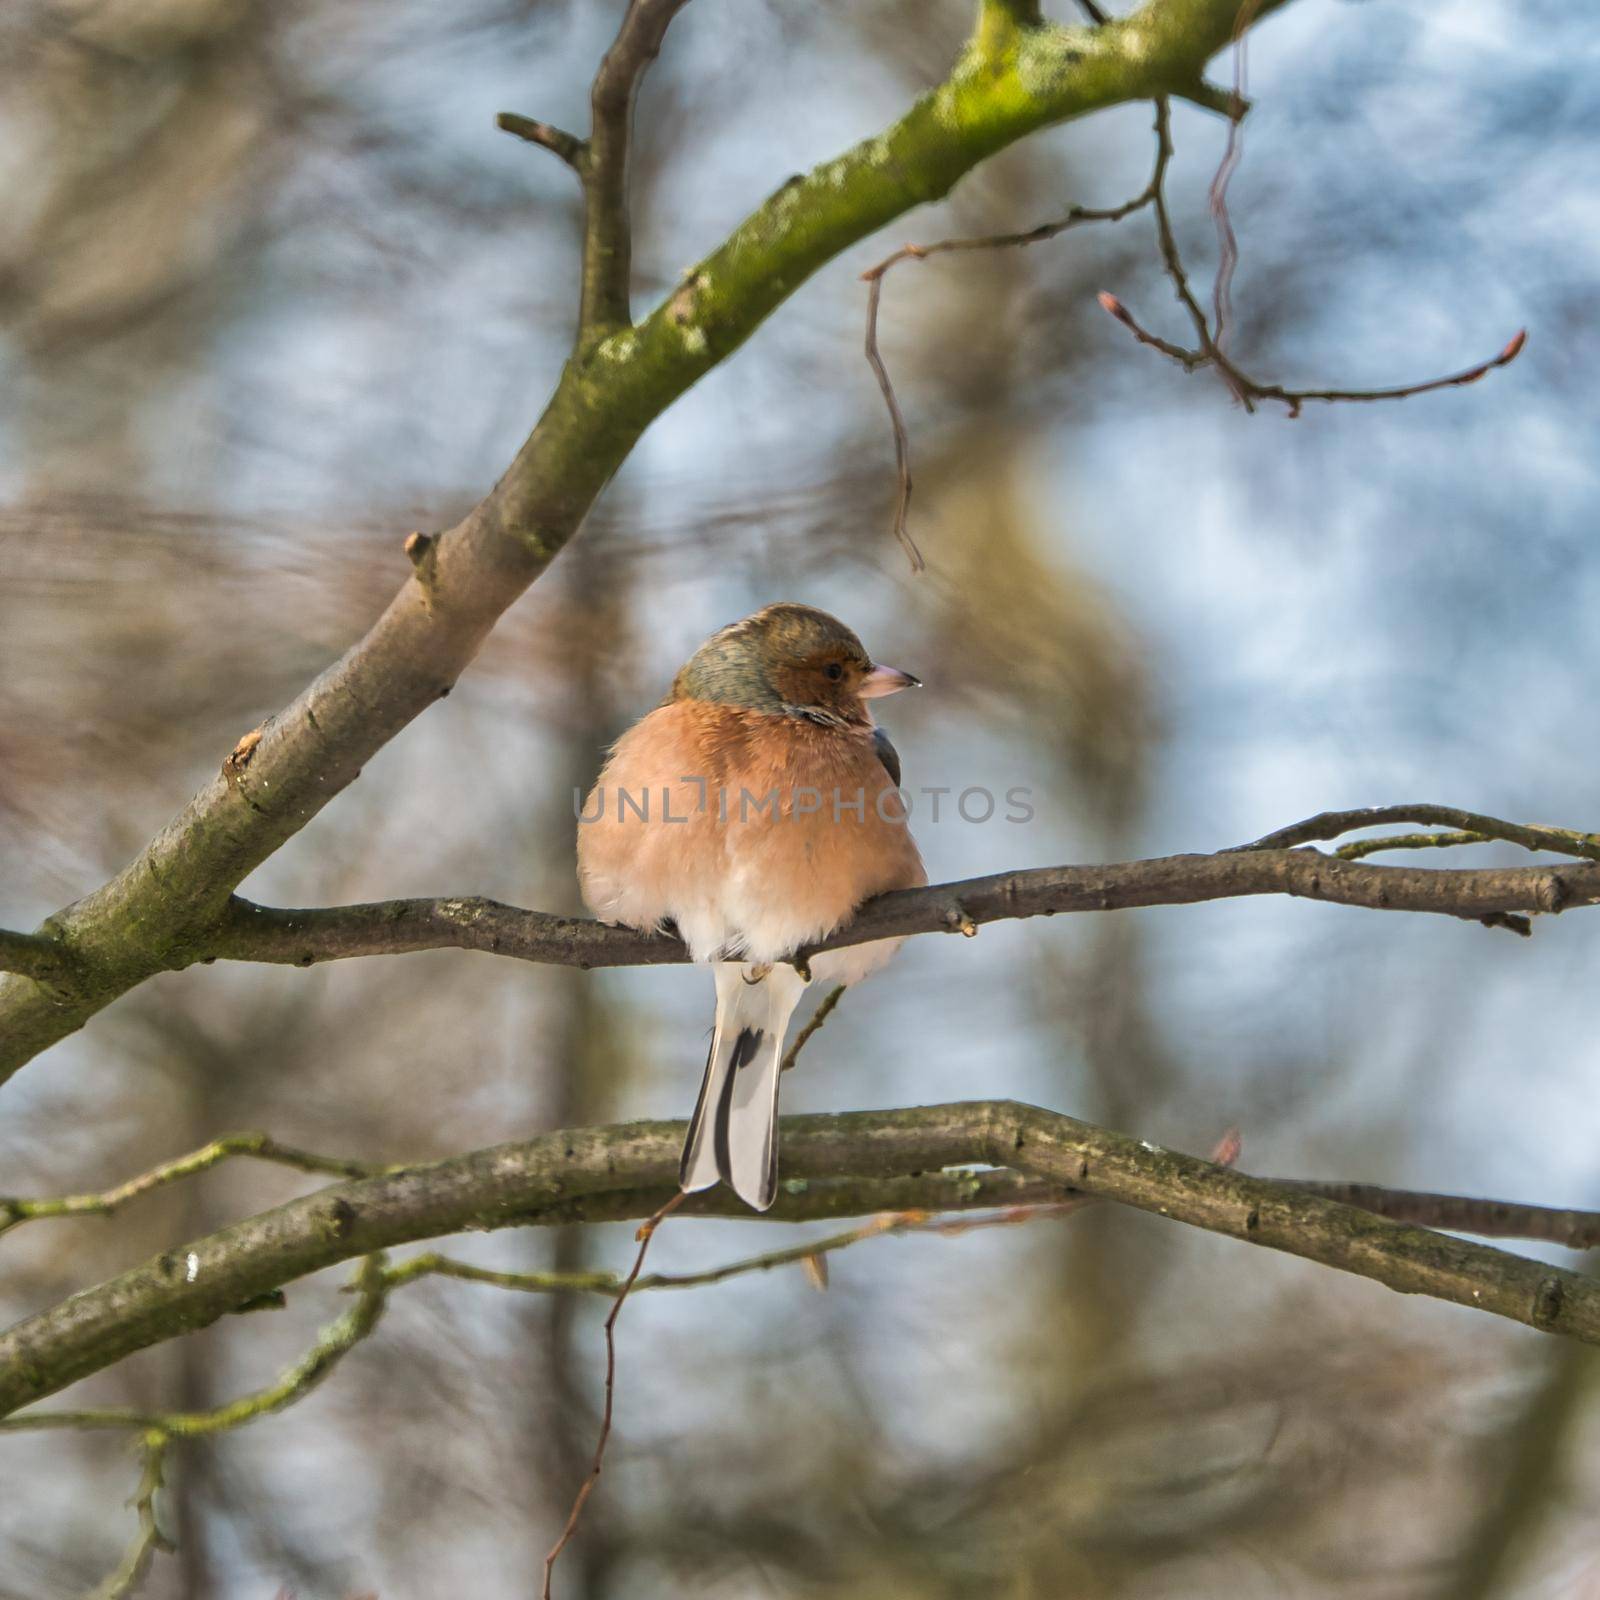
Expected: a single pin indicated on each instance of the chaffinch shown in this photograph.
(754, 809)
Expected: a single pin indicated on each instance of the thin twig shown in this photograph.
(565, 146)
(1248, 391)
(1209, 344)
(1293, 399)
(902, 443)
(1359, 849)
(646, 1233)
(1076, 216)
(1232, 154)
(1326, 825)
(130, 1570)
(432, 1264)
(818, 1017)
(14, 1212)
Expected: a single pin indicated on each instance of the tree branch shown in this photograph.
(333, 933)
(1075, 217)
(564, 146)
(1328, 825)
(831, 1163)
(104, 1203)
(152, 916)
(608, 230)
(160, 1428)
(371, 1285)
(1209, 348)
(1456, 1213)
(1275, 864)
(130, 1571)
(36, 956)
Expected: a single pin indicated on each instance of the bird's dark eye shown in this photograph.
(835, 671)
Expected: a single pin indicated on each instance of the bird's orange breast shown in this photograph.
(754, 833)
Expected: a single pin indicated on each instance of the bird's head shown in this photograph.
(789, 660)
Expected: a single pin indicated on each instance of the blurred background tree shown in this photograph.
(259, 270)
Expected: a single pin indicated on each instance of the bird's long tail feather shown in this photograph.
(733, 1137)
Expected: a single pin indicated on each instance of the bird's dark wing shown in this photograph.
(887, 754)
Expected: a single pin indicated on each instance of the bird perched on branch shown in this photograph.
(754, 809)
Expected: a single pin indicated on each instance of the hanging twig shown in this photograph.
(1209, 344)
(1232, 154)
(1075, 217)
(646, 1233)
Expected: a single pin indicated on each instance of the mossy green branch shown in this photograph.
(371, 1285)
(14, 1211)
(154, 916)
(159, 1428)
(871, 1161)
(36, 956)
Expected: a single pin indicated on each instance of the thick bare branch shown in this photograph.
(36, 956)
(1457, 1213)
(371, 1286)
(587, 1173)
(151, 917)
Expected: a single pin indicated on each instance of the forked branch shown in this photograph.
(155, 915)
(863, 1159)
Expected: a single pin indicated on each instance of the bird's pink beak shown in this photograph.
(887, 680)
